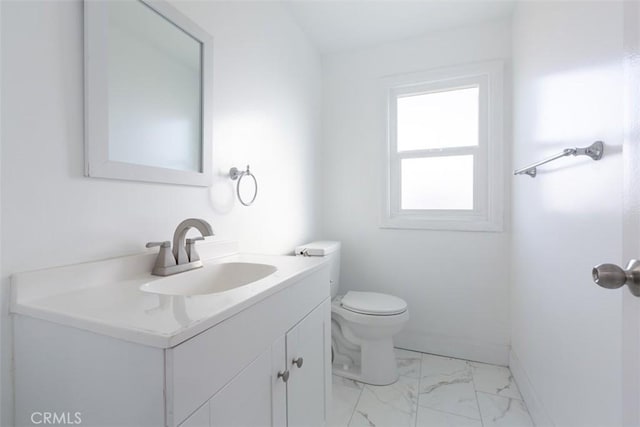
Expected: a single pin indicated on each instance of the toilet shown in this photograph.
(362, 325)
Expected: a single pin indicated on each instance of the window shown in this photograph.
(444, 160)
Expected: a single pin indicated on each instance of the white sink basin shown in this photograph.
(210, 279)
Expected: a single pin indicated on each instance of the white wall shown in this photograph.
(454, 282)
(566, 331)
(266, 113)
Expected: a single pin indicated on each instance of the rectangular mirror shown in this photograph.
(147, 88)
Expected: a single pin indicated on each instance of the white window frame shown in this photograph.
(488, 192)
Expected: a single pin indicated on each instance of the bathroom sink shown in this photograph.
(210, 279)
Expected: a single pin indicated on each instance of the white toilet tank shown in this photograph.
(329, 249)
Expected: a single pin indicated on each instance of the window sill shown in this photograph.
(425, 223)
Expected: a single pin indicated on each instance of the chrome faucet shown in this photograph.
(184, 256)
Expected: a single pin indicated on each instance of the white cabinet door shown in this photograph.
(256, 397)
(308, 359)
(259, 397)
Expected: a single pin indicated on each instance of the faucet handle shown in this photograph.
(192, 254)
(165, 244)
(164, 259)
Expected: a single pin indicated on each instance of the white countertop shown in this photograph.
(104, 296)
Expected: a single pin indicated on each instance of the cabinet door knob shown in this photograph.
(298, 362)
(284, 375)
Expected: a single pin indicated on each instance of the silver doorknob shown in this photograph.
(298, 362)
(611, 276)
(284, 375)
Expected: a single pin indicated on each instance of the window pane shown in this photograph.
(437, 183)
(438, 120)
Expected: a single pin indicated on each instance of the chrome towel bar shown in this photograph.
(595, 151)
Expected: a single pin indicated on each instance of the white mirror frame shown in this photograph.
(97, 163)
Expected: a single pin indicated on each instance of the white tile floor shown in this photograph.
(432, 391)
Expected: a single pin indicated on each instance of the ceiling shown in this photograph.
(345, 25)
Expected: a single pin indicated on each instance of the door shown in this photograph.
(631, 220)
(611, 276)
(308, 358)
(256, 396)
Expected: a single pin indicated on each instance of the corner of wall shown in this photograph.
(534, 405)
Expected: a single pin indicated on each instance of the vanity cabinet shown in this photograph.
(309, 365)
(284, 385)
(227, 375)
(256, 387)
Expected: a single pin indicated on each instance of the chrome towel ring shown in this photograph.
(236, 174)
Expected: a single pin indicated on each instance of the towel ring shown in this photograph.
(236, 174)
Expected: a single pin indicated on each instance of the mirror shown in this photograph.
(147, 84)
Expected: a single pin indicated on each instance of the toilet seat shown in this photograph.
(373, 303)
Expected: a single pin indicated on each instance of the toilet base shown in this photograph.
(354, 373)
(363, 344)
(377, 364)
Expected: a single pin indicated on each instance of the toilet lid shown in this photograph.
(373, 303)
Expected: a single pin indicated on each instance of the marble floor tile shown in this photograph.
(433, 365)
(432, 418)
(447, 385)
(394, 405)
(432, 391)
(408, 363)
(494, 380)
(345, 395)
(498, 411)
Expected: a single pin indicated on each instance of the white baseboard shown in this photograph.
(496, 354)
(534, 405)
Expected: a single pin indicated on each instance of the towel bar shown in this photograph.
(595, 151)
